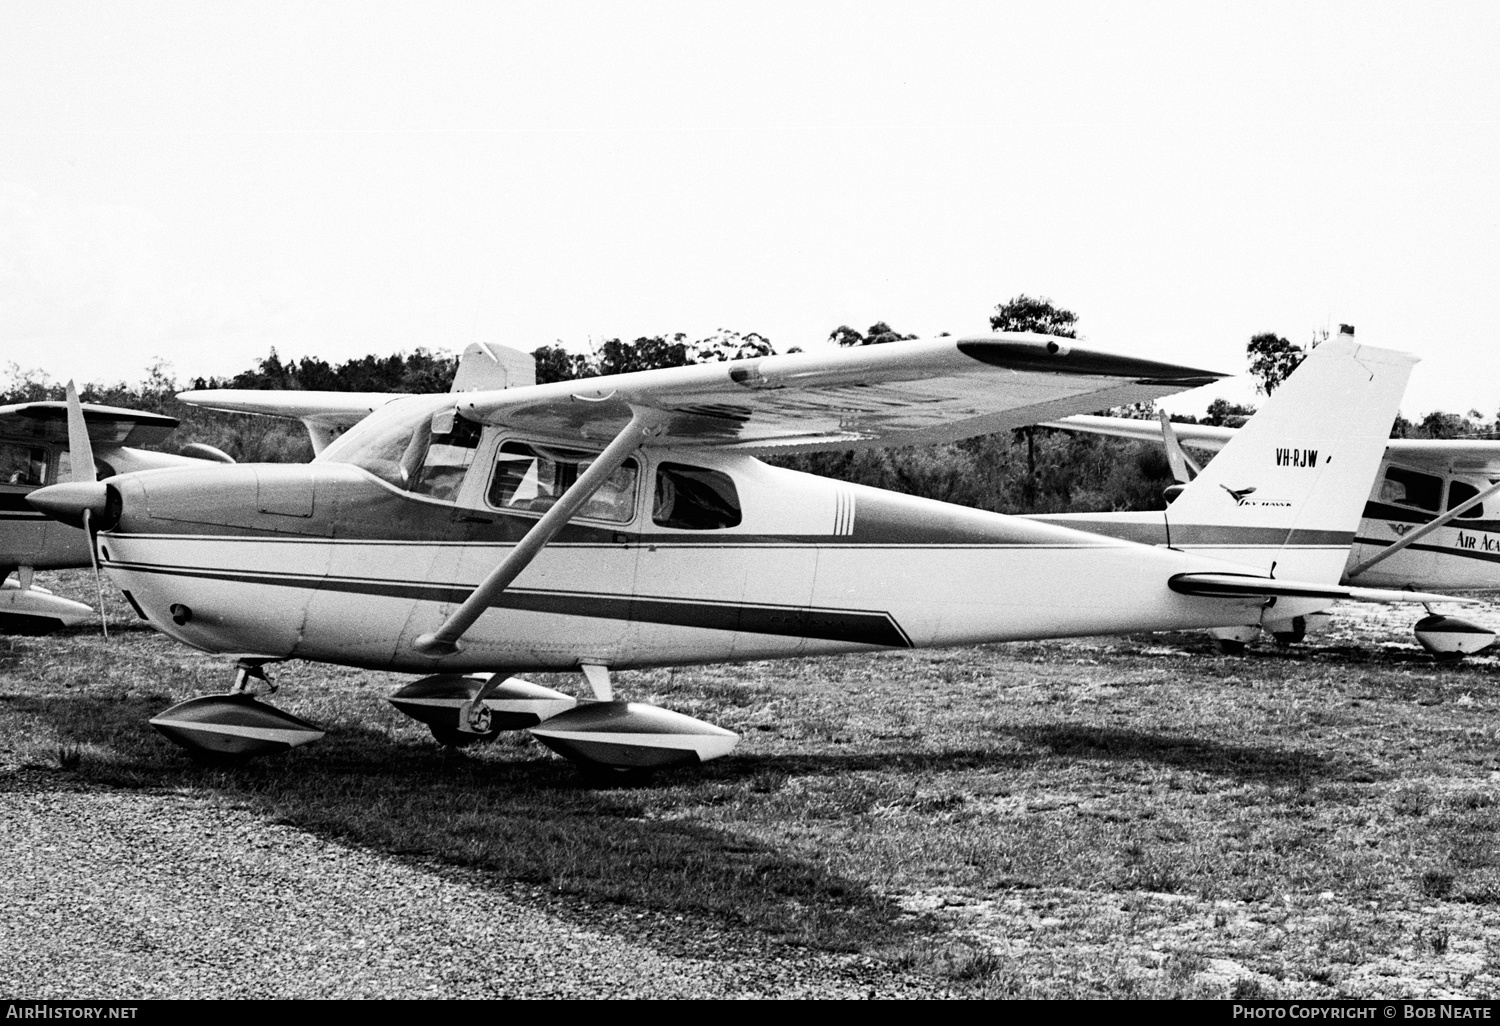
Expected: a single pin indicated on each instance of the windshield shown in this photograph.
(421, 446)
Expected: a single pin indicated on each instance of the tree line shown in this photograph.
(1023, 471)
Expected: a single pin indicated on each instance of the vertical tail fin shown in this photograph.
(1289, 489)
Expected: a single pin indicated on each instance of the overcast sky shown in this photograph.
(203, 181)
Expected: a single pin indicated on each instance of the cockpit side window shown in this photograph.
(694, 498)
(1460, 493)
(440, 468)
(1410, 488)
(24, 465)
(530, 478)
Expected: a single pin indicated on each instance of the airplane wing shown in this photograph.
(900, 393)
(1459, 455)
(324, 414)
(336, 409)
(108, 426)
(1199, 436)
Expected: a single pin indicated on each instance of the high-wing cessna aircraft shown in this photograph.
(1432, 519)
(34, 453)
(619, 522)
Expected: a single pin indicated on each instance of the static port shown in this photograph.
(181, 614)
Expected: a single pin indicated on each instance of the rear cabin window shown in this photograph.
(694, 499)
(532, 477)
(1404, 487)
(1460, 493)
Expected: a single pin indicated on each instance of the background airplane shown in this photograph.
(34, 452)
(624, 521)
(1431, 521)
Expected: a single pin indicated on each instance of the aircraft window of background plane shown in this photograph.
(531, 477)
(23, 465)
(1410, 488)
(694, 498)
(1459, 493)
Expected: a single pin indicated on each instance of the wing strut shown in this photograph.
(1424, 530)
(445, 640)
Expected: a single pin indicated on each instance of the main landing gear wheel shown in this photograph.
(452, 737)
(461, 710)
(1232, 640)
(483, 726)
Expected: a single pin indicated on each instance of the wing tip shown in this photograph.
(1057, 355)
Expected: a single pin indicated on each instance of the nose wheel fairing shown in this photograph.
(233, 725)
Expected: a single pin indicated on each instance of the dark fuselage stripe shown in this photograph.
(1441, 550)
(863, 628)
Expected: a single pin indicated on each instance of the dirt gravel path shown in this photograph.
(114, 895)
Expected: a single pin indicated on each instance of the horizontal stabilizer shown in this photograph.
(1249, 586)
(1198, 436)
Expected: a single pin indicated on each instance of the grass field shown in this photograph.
(1102, 817)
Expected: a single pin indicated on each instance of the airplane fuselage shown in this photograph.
(328, 562)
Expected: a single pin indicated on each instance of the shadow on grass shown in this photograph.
(514, 815)
(1263, 764)
(1259, 762)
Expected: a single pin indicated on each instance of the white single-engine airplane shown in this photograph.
(622, 522)
(34, 453)
(1431, 521)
